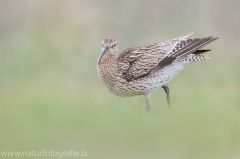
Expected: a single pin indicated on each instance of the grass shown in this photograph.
(105, 129)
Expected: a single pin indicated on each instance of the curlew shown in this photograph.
(143, 70)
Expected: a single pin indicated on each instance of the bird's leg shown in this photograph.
(147, 101)
(166, 89)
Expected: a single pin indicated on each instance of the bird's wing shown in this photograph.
(137, 62)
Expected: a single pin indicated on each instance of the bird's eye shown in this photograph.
(114, 45)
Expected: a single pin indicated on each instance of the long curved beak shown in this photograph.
(104, 51)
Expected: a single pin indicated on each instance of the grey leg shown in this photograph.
(147, 101)
(166, 89)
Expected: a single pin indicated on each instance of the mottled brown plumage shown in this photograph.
(143, 70)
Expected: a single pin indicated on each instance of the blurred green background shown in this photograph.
(51, 97)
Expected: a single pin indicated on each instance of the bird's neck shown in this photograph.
(109, 58)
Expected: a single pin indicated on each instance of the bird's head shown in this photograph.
(109, 47)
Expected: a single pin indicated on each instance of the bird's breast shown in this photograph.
(111, 78)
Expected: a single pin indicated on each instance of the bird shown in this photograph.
(144, 69)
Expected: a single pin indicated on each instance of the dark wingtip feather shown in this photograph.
(201, 51)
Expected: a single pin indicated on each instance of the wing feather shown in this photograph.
(137, 62)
